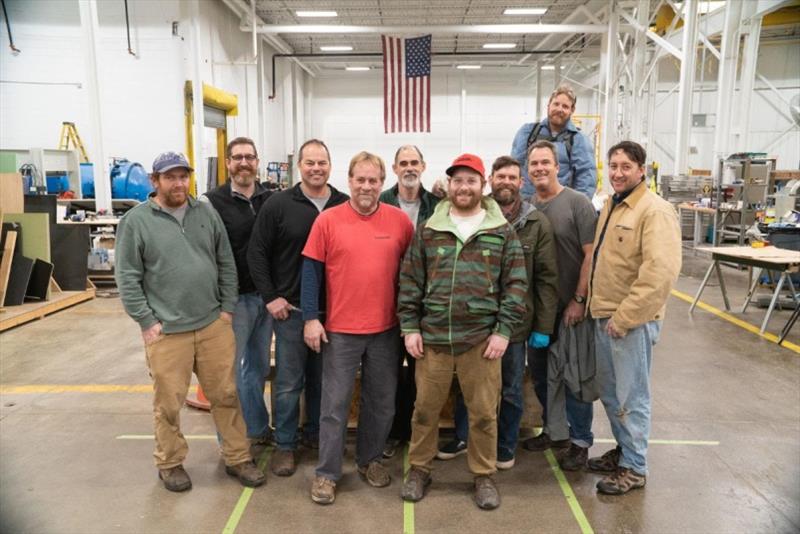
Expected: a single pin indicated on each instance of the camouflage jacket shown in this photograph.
(457, 293)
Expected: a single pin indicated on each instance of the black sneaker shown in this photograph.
(452, 449)
(505, 460)
(391, 447)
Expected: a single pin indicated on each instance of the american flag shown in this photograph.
(406, 84)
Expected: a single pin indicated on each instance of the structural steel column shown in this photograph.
(686, 89)
(537, 116)
(608, 62)
(91, 30)
(748, 78)
(198, 116)
(726, 81)
(639, 56)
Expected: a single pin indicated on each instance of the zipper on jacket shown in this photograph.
(452, 287)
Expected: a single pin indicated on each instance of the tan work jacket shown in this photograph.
(638, 260)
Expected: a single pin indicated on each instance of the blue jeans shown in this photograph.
(297, 367)
(623, 378)
(344, 354)
(252, 328)
(579, 414)
(511, 402)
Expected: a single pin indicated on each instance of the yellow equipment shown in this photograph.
(69, 133)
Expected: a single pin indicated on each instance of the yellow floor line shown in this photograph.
(244, 499)
(566, 489)
(735, 320)
(408, 507)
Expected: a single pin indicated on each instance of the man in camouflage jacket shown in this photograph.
(462, 293)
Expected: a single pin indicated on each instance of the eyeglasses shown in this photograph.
(240, 157)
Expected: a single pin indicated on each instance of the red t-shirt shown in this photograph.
(362, 256)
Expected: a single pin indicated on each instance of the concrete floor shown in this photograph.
(64, 468)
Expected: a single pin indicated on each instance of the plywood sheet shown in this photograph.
(11, 194)
(35, 233)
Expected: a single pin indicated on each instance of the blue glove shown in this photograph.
(538, 341)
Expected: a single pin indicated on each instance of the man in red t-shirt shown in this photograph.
(355, 249)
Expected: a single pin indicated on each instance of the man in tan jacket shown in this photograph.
(637, 258)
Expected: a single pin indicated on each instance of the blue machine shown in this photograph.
(129, 180)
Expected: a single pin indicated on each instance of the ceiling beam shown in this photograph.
(433, 30)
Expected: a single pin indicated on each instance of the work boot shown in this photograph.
(248, 474)
(175, 478)
(283, 463)
(323, 490)
(415, 484)
(608, 463)
(452, 449)
(621, 481)
(486, 494)
(542, 442)
(574, 459)
(375, 474)
(259, 445)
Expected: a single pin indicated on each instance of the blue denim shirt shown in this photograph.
(580, 175)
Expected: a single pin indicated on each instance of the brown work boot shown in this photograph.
(323, 490)
(620, 482)
(283, 463)
(175, 478)
(415, 484)
(248, 474)
(608, 463)
(375, 474)
(486, 495)
(542, 442)
(574, 459)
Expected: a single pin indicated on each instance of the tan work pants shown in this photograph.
(480, 381)
(210, 353)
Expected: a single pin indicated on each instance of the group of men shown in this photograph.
(410, 289)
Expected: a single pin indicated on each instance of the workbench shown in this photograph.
(763, 259)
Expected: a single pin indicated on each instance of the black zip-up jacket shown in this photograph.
(279, 236)
(239, 215)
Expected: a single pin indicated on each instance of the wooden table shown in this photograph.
(767, 258)
(698, 211)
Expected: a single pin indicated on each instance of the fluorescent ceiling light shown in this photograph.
(503, 46)
(468, 67)
(336, 48)
(316, 13)
(525, 11)
(353, 69)
(550, 67)
(704, 6)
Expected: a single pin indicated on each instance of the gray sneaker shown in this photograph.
(486, 495)
(375, 474)
(415, 484)
(283, 463)
(175, 478)
(323, 490)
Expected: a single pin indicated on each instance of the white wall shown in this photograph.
(142, 99)
(347, 113)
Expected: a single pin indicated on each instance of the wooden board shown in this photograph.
(30, 311)
(5, 263)
(11, 194)
(35, 233)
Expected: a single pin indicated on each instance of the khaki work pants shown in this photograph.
(480, 381)
(210, 353)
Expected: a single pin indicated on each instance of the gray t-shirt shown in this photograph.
(178, 213)
(573, 219)
(319, 202)
(411, 209)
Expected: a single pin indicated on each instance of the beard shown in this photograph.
(466, 201)
(409, 179)
(505, 195)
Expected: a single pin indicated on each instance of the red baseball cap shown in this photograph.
(471, 161)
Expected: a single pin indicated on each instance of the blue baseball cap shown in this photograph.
(170, 160)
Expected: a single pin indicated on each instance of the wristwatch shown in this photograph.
(580, 299)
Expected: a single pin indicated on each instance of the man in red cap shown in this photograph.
(462, 292)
